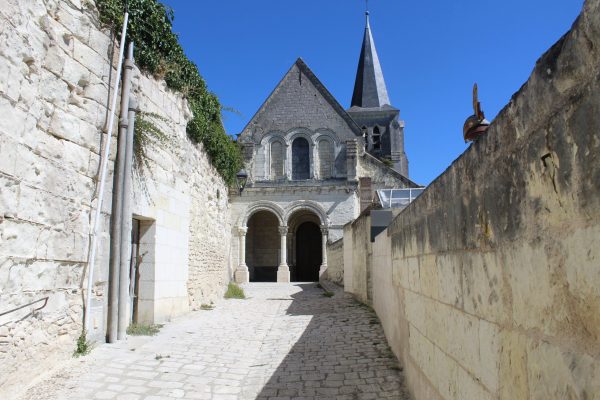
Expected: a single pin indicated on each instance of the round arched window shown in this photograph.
(300, 159)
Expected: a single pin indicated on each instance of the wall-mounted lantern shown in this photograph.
(242, 178)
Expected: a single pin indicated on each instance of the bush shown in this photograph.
(234, 292)
(157, 51)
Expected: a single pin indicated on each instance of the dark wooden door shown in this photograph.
(308, 252)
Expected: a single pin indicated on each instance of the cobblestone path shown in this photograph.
(284, 342)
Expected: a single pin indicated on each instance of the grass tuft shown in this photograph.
(234, 292)
(207, 307)
(84, 346)
(143, 330)
(327, 293)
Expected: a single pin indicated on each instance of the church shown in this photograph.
(312, 166)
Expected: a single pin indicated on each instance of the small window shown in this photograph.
(277, 158)
(325, 159)
(376, 138)
(300, 159)
(366, 137)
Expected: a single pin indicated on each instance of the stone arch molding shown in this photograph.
(263, 206)
(307, 205)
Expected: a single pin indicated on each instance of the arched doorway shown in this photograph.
(304, 245)
(263, 247)
(308, 252)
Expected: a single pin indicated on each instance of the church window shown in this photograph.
(300, 159)
(366, 137)
(277, 158)
(325, 159)
(376, 137)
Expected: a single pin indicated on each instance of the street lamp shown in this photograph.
(242, 178)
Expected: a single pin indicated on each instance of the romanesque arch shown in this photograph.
(306, 205)
(263, 205)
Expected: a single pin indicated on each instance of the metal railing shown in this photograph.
(395, 198)
(44, 299)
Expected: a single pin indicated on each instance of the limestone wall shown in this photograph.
(335, 262)
(54, 73)
(488, 285)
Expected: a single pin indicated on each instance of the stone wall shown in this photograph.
(488, 285)
(55, 68)
(335, 262)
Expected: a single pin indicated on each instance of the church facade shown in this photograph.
(312, 167)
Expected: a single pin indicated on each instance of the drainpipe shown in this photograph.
(91, 261)
(117, 204)
(126, 226)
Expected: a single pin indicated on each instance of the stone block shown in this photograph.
(449, 274)
(9, 196)
(414, 278)
(54, 60)
(21, 239)
(490, 347)
(513, 368)
(470, 388)
(560, 373)
(13, 121)
(97, 64)
(483, 287)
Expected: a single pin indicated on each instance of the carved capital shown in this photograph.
(324, 230)
(283, 230)
(242, 230)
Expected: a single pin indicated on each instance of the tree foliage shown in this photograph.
(157, 51)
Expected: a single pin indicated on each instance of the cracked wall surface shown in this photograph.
(55, 69)
(488, 284)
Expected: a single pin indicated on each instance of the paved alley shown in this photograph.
(286, 341)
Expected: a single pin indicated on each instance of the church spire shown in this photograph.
(369, 88)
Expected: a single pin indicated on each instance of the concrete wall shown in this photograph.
(55, 64)
(488, 284)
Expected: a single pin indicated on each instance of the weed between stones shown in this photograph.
(143, 330)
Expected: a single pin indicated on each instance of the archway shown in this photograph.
(308, 252)
(305, 245)
(263, 246)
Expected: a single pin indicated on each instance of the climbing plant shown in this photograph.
(157, 51)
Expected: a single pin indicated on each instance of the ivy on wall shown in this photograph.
(157, 51)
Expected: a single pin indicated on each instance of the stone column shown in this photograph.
(323, 269)
(283, 272)
(241, 273)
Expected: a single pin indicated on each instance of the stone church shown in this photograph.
(312, 167)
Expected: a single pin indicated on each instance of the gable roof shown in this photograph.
(304, 69)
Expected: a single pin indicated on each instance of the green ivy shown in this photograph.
(157, 51)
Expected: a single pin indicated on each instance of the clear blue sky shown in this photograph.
(431, 54)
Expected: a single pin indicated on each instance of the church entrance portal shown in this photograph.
(308, 252)
(263, 247)
(305, 247)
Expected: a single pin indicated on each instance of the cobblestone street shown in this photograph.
(283, 342)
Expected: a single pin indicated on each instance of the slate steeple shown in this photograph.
(369, 88)
(382, 128)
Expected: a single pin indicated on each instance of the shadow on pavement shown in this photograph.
(342, 354)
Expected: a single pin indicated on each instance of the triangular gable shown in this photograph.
(320, 88)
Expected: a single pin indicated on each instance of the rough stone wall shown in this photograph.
(488, 284)
(55, 63)
(335, 261)
(53, 109)
(382, 176)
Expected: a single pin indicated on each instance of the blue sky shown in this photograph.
(431, 54)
